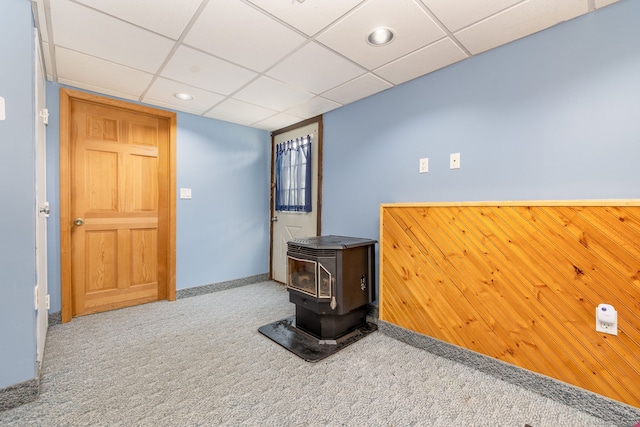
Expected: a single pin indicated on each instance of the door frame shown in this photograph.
(66, 96)
(318, 176)
(42, 212)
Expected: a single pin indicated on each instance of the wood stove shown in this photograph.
(331, 280)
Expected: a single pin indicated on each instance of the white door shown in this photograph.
(288, 225)
(42, 314)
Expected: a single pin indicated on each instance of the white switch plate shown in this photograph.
(454, 161)
(185, 193)
(424, 165)
(2, 114)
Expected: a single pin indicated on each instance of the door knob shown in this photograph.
(274, 219)
(78, 221)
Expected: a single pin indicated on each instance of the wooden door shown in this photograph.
(121, 195)
(289, 225)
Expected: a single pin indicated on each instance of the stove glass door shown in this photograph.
(302, 275)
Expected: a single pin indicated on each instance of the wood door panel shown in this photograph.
(119, 176)
(114, 299)
(144, 134)
(143, 184)
(101, 128)
(144, 260)
(99, 181)
(101, 260)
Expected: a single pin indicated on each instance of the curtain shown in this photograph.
(293, 175)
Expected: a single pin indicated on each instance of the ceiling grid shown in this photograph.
(272, 63)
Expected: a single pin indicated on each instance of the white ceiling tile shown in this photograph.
(99, 73)
(433, 57)
(315, 68)
(235, 31)
(278, 121)
(163, 90)
(271, 94)
(603, 3)
(174, 107)
(461, 13)
(96, 89)
(167, 17)
(205, 71)
(412, 26)
(309, 16)
(313, 107)
(239, 112)
(74, 27)
(357, 89)
(519, 21)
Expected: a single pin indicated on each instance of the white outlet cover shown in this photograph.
(424, 165)
(454, 161)
(185, 193)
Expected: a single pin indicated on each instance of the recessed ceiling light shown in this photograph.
(183, 96)
(380, 36)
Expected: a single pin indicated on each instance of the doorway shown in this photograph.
(288, 225)
(117, 203)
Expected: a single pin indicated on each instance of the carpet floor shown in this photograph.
(200, 361)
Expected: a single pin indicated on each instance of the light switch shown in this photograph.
(2, 114)
(185, 193)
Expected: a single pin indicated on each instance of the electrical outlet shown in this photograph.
(424, 165)
(185, 193)
(607, 328)
(454, 161)
(606, 319)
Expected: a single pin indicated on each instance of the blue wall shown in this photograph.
(17, 190)
(553, 116)
(222, 233)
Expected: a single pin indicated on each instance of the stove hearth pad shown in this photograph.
(308, 347)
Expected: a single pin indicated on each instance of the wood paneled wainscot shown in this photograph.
(520, 281)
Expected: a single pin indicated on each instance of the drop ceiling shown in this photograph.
(272, 63)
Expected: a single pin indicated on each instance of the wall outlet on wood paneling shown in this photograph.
(606, 319)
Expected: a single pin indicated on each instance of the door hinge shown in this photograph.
(44, 209)
(44, 113)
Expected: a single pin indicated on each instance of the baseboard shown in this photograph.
(609, 410)
(21, 393)
(221, 286)
(55, 318)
